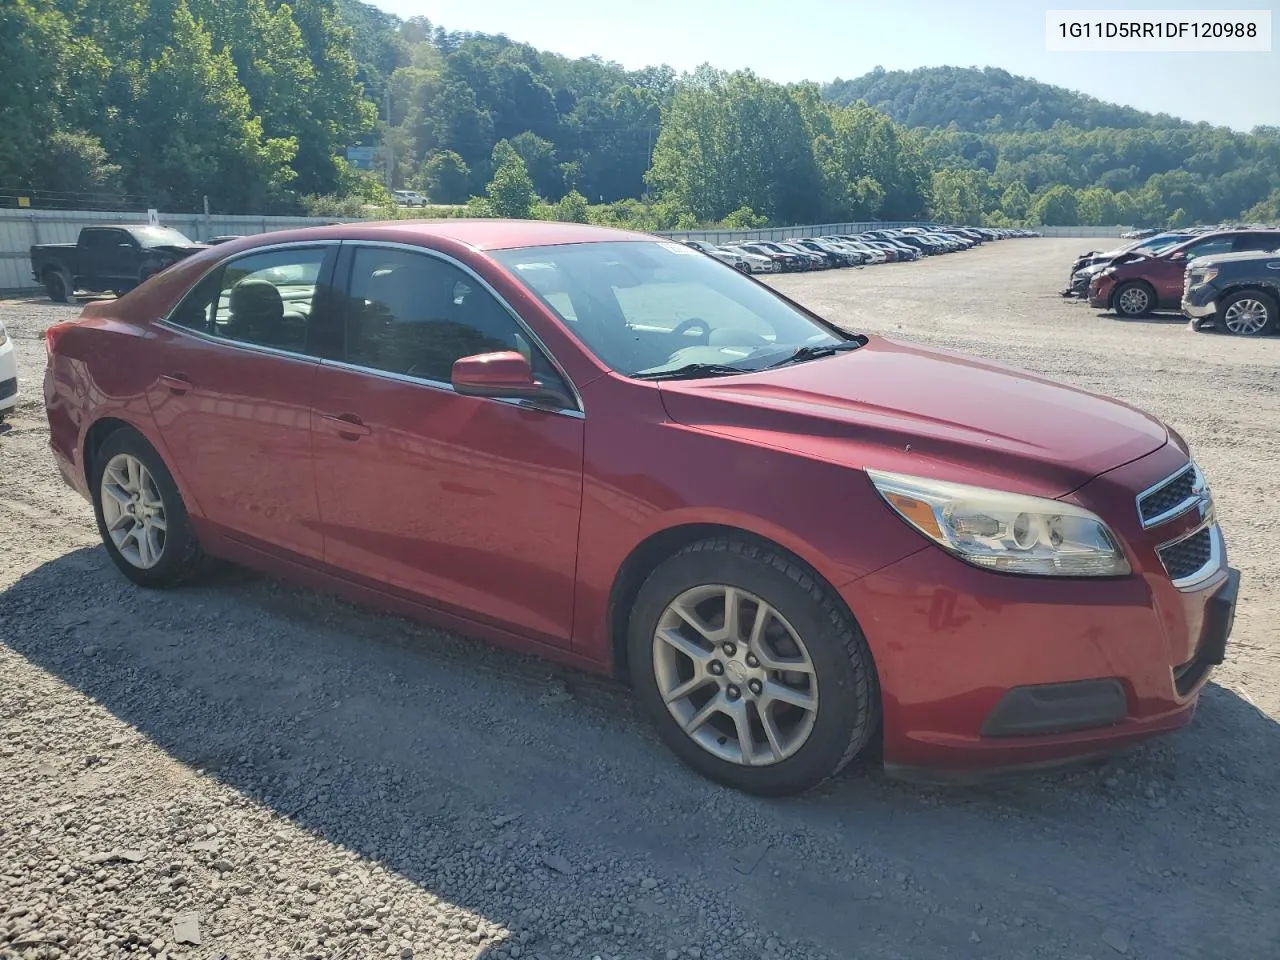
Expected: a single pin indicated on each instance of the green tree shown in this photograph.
(1016, 200)
(192, 132)
(1264, 211)
(510, 193)
(957, 196)
(1056, 207)
(571, 208)
(1097, 206)
(445, 177)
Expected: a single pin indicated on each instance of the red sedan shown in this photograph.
(617, 452)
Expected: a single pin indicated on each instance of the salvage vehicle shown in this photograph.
(1237, 293)
(1088, 265)
(756, 262)
(600, 446)
(112, 258)
(1136, 283)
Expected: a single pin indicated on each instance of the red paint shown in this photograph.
(513, 523)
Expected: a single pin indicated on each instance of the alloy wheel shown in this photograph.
(735, 675)
(1133, 301)
(1246, 317)
(133, 511)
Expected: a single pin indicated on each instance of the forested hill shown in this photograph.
(984, 101)
(254, 104)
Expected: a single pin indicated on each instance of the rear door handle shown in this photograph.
(176, 383)
(346, 425)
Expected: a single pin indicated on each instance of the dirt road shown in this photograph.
(312, 780)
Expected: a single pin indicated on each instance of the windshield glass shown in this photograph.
(161, 237)
(645, 306)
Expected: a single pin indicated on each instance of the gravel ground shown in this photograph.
(271, 773)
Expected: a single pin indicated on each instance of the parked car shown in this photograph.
(1139, 234)
(1237, 293)
(8, 374)
(1135, 283)
(813, 261)
(115, 258)
(791, 540)
(735, 260)
(1090, 264)
(787, 261)
(833, 256)
(409, 198)
(757, 262)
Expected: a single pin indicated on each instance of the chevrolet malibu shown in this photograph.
(794, 542)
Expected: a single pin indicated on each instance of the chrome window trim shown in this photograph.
(1212, 566)
(534, 339)
(168, 323)
(238, 344)
(1199, 489)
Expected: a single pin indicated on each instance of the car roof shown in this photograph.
(1210, 234)
(478, 234)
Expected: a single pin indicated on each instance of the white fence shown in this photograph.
(22, 229)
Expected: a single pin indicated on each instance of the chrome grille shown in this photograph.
(1171, 496)
(1187, 557)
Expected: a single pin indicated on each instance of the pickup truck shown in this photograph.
(115, 258)
(1238, 293)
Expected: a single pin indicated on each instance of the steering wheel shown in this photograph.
(684, 327)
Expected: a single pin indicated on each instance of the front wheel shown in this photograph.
(1134, 299)
(1249, 313)
(141, 517)
(751, 669)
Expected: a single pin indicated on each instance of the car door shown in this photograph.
(121, 254)
(468, 503)
(1166, 273)
(236, 366)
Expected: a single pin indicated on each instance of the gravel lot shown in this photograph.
(304, 779)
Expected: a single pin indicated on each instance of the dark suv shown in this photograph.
(1238, 293)
(1136, 283)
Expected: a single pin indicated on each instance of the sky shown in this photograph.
(792, 40)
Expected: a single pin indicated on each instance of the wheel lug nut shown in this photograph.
(733, 693)
(729, 649)
(752, 662)
(755, 686)
(716, 668)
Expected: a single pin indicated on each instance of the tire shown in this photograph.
(1133, 299)
(178, 558)
(1249, 313)
(835, 671)
(56, 285)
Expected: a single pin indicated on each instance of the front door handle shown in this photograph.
(176, 383)
(346, 425)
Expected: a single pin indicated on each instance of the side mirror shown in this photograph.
(504, 374)
(1178, 255)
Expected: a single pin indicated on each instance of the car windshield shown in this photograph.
(161, 237)
(645, 307)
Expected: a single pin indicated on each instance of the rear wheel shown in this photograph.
(1249, 313)
(141, 517)
(751, 670)
(1133, 299)
(57, 286)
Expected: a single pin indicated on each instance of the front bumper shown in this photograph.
(1199, 303)
(983, 672)
(1100, 292)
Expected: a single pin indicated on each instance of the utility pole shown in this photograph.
(386, 141)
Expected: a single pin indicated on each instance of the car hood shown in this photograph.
(921, 410)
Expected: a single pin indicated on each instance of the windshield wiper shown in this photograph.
(690, 371)
(815, 351)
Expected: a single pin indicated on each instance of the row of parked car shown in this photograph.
(1224, 278)
(849, 249)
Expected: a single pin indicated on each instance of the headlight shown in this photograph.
(1204, 275)
(1008, 532)
(1106, 272)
